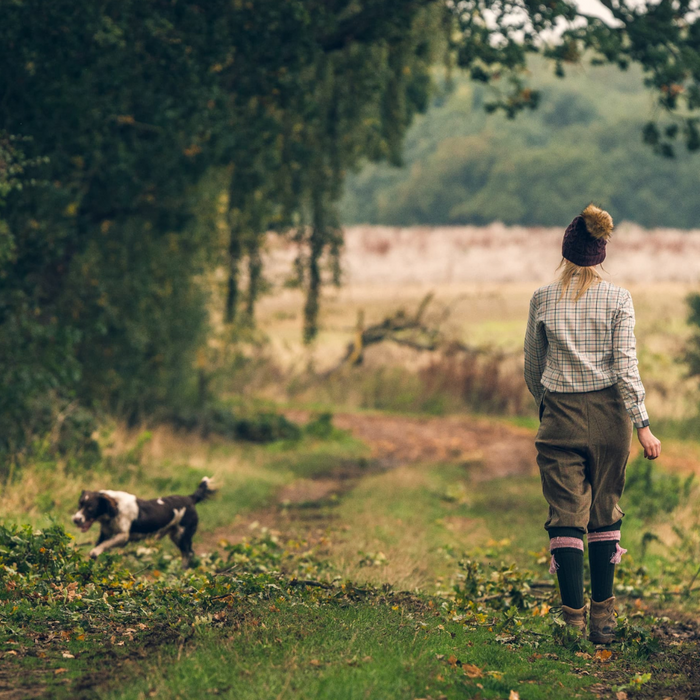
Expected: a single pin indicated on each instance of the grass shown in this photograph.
(414, 515)
(158, 462)
(400, 528)
(367, 650)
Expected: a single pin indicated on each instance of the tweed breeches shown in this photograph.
(583, 444)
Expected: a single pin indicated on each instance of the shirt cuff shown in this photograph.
(639, 416)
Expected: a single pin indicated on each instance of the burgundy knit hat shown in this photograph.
(586, 237)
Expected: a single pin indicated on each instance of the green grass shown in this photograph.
(247, 476)
(352, 653)
(390, 649)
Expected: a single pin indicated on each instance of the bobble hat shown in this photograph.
(586, 237)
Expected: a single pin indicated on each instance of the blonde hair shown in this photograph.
(585, 276)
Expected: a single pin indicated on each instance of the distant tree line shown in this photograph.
(463, 167)
(113, 114)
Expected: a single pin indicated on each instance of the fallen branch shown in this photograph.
(402, 329)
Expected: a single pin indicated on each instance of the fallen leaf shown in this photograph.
(472, 671)
(67, 655)
(315, 662)
(514, 695)
(621, 695)
(60, 670)
(603, 655)
(583, 655)
(453, 661)
(505, 638)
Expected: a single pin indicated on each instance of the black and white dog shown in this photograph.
(124, 518)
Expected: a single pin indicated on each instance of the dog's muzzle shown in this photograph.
(81, 522)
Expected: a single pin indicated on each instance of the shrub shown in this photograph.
(650, 492)
(219, 419)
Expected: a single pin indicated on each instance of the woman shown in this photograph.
(581, 367)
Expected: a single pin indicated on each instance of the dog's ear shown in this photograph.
(109, 504)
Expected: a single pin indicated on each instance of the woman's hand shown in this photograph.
(651, 445)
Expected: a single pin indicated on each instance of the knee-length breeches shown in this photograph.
(583, 444)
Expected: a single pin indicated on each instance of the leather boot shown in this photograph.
(575, 618)
(603, 622)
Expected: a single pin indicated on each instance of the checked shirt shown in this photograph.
(585, 345)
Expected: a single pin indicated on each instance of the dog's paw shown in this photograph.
(94, 553)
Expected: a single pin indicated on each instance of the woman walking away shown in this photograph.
(581, 367)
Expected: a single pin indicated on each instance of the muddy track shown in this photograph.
(490, 450)
(500, 450)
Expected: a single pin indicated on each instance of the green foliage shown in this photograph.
(467, 168)
(692, 350)
(636, 638)
(495, 39)
(219, 419)
(321, 426)
(649, 492)
(121, 111)
(44, 573)
(482, 587)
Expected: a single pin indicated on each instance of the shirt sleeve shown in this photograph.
(535, 352)
(625, 363)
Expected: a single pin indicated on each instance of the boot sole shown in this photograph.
(601, 638)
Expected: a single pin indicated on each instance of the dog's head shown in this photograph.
(94, 505)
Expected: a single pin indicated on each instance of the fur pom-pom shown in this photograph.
(598, 222)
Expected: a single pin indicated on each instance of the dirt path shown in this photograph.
(500, 450)
(487, 448)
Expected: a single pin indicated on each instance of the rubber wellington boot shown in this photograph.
(575, 618)
(603, 622)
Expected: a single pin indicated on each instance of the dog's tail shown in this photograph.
(204, 490)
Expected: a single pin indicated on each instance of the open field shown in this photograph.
(485, 276)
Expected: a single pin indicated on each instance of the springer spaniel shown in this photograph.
(124, 518)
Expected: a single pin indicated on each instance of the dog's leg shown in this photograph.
(184, 535)
(184, 544)
(117, 540)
